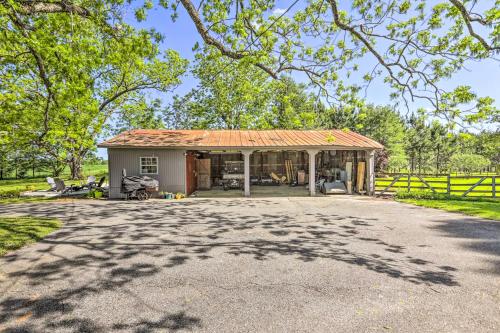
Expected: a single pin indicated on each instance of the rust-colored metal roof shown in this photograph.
(229, 139)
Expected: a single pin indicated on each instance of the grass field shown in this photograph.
(40, 183)
(16, 232)
(484, 209)
(458, 185)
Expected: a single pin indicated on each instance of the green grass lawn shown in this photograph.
(40, 183)
(16, 232)
(485, 209)
(458, 185)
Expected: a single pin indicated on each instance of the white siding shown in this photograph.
(171, 168)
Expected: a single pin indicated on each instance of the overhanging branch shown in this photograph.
(468, 19)
(207, 38)
(31, 7)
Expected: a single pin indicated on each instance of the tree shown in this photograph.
(381, 123)
(63, 77)
(385, 125)
(294, 107)
(484, 143)
(418, 143)
(414, 46)
(138, 114)
(224, 98)
(443, 145)
(469, 162)
(241, 98)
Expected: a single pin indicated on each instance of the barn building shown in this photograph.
(245, 161)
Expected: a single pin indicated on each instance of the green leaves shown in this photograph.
(234, 94)
(414, 47)
(72, 75)
(468, 162)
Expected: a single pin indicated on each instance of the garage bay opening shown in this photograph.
(277, 173)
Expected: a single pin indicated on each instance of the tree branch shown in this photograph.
(468, 20)
(30, 7)
(207, 38)
(120, 93)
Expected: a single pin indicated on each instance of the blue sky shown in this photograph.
(181, 35)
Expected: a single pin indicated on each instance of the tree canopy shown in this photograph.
(413, 45)
(69, 69)
(62, 77)
(241, 97)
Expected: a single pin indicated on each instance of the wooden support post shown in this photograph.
(312, 171)
(493, 186)
(448, 184)
(370, 172)
(409, 182)
(246, 164)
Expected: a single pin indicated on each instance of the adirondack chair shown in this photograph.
(91, 183)
(61, 186)
(101, 182)
(52, 184)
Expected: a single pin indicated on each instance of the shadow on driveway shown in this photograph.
(126, 242)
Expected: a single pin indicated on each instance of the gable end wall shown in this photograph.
(171, 168)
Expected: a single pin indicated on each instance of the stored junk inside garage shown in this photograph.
(337, 171)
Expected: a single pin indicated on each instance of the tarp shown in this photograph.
(133, 183)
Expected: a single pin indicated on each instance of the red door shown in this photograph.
(190, 173)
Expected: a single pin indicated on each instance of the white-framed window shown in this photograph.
(149, 165)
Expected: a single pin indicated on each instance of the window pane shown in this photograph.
(149, 165)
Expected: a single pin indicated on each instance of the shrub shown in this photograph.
(429, 195)
(420, 195)
(95, 193)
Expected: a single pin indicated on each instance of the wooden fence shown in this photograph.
(471, 185)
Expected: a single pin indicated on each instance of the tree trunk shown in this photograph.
(437, 161)
(419, 161)
(76, 168)
(56, 171)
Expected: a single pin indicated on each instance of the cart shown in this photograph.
(141, 188)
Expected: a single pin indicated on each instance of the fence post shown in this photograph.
(493, 186)
(448, 184)
(409, 181)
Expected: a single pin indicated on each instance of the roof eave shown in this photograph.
(332, 147)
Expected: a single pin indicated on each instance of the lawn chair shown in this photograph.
(91, 183)
(52, 184)
(90, 179)
(101, 182)
(61, 187)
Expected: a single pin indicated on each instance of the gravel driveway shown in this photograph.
(246, 265)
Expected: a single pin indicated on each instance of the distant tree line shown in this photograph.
(18, 163)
